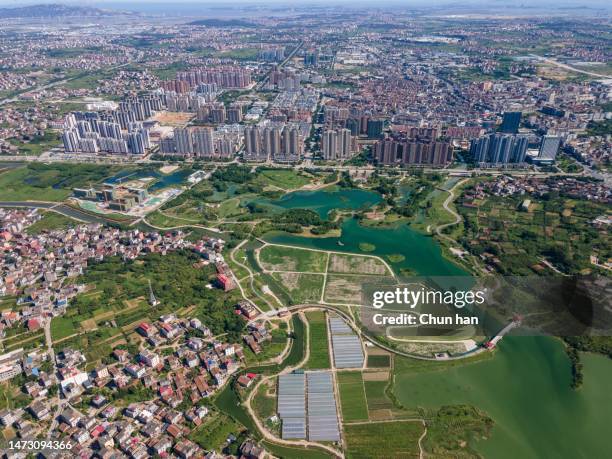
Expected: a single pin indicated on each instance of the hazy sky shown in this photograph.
(186, 5)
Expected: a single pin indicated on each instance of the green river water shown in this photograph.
(525, 388)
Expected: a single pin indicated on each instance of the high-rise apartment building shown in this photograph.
(499, 149)
(336, 145)
(549, 148)
(510, 122)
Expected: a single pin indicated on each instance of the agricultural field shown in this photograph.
(352, 396)
(348, 289)
(375, 393)
(300, 287)
(379, 360)
(397, 439)
(280, 258)
(319, 349)
(356, 264)
(518, 241)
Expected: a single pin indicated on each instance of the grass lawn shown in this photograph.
(51, 221)
(276, 258)
(397, 439)
(319, 349)
(352, 396)
(61, 327)
(287, 179)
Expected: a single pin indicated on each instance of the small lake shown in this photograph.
(421, 253)
(323, 201)
(174, 179)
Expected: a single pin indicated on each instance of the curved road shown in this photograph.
(62, 209)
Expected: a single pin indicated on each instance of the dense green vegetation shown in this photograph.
(50, 182)
(451, 429)
(601, 128)
(556, 228)
(51, 221)
(36, 145)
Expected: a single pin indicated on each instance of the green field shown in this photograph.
(51, 221)
(212, 434)
(375, 395)
(352, 396)
(554, 228)
(263, 405)
(301, 288)
(277, 258)
(37, 144)
(286, 179)
(50, 182)
(379, 361)
(287, 452)
(398, 439)
(319, 349)
(241, 54)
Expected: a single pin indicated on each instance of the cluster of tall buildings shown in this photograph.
(218, 114)
(272, 54)
(88, 132)
(225, 77)
(355, 120)
(285, 80)
(199, 142)
(499, 149)
(280, 143)
(185, 102)
(337, 145)
(418, 152)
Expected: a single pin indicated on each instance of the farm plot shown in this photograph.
(348, 289)
(356, 264)
(302, 288)
(280, 258)
(352, 396)
(399, 439)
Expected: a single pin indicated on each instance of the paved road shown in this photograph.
(59, 208)
(569, 67)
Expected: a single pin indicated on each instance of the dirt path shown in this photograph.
(267, 434)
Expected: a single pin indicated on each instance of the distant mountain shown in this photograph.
(53, 10)
(222, 23)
